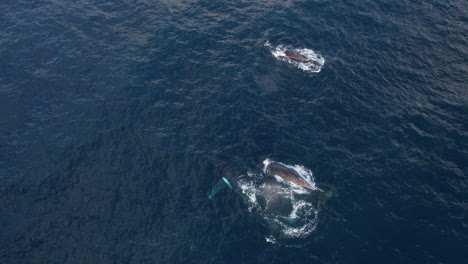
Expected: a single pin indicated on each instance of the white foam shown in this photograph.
(315, 61)
(271, 239)
(287, 211)
(248, 189)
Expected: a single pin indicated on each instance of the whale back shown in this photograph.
(295, 56)
(287, 174)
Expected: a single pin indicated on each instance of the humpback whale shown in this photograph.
(295, 56)
(286, 173)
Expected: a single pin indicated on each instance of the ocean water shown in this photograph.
(117, 118)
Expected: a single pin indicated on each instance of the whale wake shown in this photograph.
(289, 211)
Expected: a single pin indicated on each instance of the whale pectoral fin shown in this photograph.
(218, 186)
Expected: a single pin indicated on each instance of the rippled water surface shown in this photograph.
(118, 117)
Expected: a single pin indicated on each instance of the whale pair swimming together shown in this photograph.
(286, 173)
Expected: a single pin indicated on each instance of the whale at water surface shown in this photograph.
(286, 173)
(293, 55)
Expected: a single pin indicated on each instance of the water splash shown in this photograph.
(290, 212)
(315, 61)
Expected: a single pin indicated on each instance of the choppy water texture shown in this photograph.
(116, 118)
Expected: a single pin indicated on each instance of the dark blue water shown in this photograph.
(116, 117)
